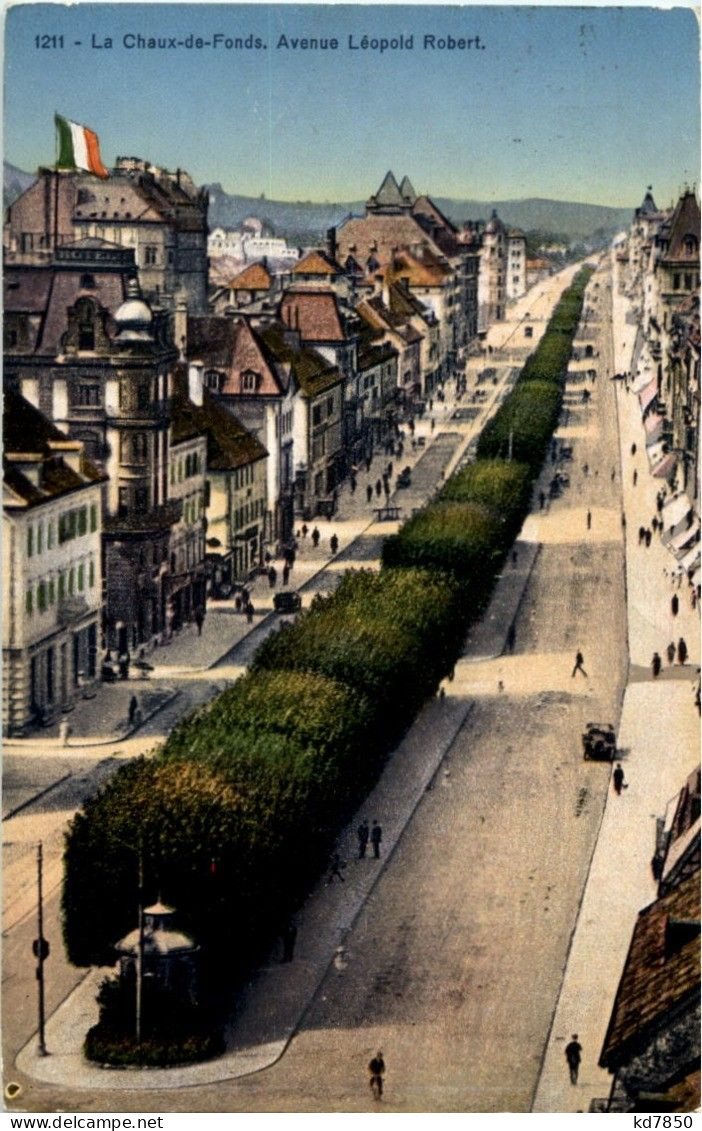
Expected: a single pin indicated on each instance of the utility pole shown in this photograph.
(40, 949)
(140, 948)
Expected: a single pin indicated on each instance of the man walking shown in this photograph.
(656, 665)
(579, 661)
(376, 836)
(618, 779)
(670, 652)
(133, 708)
(335, 866)
(682, 651)
(573, 1054)
(376, 1068)
(589, 520)
(362, 832)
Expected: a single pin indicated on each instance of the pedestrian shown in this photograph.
(123, 664)
(369, 493)
(289, 937)
(682, 651)
(511, 637)
(674, 604)
(573, 1054)
(618, 779)
(378, 487)
(376, 835)
(586, 469)
(542, 500)
(642, 534)
(589, 520)
(368, 463)
(353, 484)
(579, 661)
(433, 424)
(199, 618)
(335, 866)
(693, 599)
(670, 652)
(272, 577)
(303, 530)
(613, 475)
(633, 449)
(376, 1068)
(362, 832)
(249, 613)
(334, 543)
(386, 488)
(648, 536)
(635, 477)
(286, 573)
(133, 708)
(389, 469)
(315, 537)
(656, 665)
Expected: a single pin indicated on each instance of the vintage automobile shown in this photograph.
(599, 743)
(404, 479)
(288, 601)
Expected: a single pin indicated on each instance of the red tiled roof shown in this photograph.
(232, 347)
(229, 444)
(684, 231)
(662, 970)
(255, 277)
(380, 235)
(314, 313)
(316, 263)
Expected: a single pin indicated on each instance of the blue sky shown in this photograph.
(586, 104)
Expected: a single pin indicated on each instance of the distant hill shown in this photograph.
(305, 222)
(14, 182)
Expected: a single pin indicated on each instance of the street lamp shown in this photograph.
(40, 949)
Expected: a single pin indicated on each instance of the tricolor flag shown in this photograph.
(78, 148)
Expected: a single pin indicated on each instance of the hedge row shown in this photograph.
(237, 812)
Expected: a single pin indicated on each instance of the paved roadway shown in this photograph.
(488, 874)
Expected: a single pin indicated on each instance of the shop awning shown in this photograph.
(665, 467)
(691, 559)
(653, 424)
(685, 537)
(676, 509)
(648, 394)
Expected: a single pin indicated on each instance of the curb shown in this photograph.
(118, 736)
(36, 797)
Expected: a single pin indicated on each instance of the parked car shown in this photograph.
(287, 602)
(404, 479)
(599, 743)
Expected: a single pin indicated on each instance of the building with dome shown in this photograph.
(85, 348)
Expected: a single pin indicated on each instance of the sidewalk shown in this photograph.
(658, 738)
(277, 999)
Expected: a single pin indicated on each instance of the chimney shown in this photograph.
(180, 323)
(29, 463)
(331, 243)
(196, 380)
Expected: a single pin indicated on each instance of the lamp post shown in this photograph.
(40, 948)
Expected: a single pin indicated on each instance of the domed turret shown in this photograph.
(134, 318)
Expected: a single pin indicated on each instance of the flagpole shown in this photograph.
(56, 180)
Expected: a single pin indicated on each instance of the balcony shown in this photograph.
(157, 520)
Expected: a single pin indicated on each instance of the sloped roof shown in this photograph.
(407, 189)
(231, 347)
(424, 271)
(314, 313)
(662, 970)
(229, 444)
(381, 235)
(26, 431)
(317, 262)
(311, 371)
(684, 224)
(255, 277)
(648, 204)
(425, 206)
(389, 193)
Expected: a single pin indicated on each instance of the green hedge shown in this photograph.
(238, 810)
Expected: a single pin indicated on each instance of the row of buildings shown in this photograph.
(162, 433)
(659, 271)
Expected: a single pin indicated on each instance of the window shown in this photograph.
(330, 406)
(30, 541)
(317, 414)
(41, 596)
(141, 499)
(249, 381)
(87, 281)
(61, 586)
(40, 537)
(29, 602)
(91, 573)
(150, 255)
(88, 394)
(10, 338)
(676, 282)
(86, 335)
(81, 578)
(82, 520)
(93, 517)
(143, 394)
(139, 446)
(123, 501)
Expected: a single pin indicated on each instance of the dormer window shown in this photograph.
(86, 336)
(87, 282)
(250, 381)
(690, 245)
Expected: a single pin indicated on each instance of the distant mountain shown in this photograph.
(14, 182)
(305, 222)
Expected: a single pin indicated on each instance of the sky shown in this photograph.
(582, 104)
